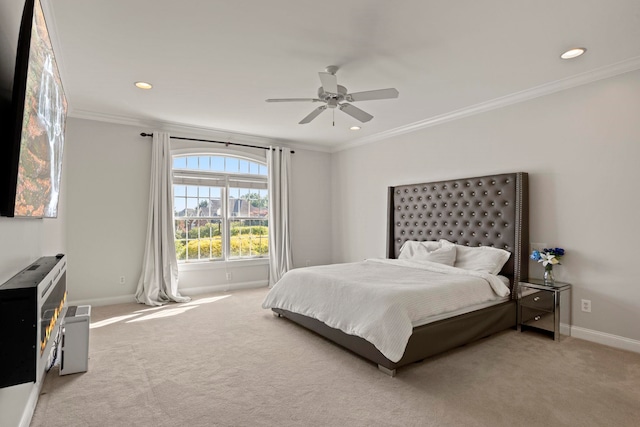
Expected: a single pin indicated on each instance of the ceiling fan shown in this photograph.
(336, 96)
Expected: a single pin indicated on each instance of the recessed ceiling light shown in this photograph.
(573, 53)
(143, 85)
(354, 128)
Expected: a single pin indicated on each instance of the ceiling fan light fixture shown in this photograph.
(573, 53)
(143, 85)
(354, 128)
(337, 96)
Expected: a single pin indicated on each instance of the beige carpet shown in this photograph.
(227, 362)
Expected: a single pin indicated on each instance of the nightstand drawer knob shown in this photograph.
(536, 299)
(536, 318)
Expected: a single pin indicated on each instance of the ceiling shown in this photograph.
(213, 63)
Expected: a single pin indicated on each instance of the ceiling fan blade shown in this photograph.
(356, 113)
(315, 113)
(329, 82)
(292, 100)
(371, 95)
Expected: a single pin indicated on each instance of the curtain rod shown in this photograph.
(214, 142)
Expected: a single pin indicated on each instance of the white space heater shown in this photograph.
(74, 347)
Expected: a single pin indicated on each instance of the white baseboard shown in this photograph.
(30, 408)
(30, 403)
(606, 339)
(123, 299)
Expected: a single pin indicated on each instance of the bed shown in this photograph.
(488, 212)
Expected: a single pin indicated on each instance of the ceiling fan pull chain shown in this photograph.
(333, 112)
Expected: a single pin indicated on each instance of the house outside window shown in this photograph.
(220, 205)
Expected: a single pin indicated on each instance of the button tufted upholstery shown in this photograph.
(483, 211)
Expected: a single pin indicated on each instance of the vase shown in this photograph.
(548, 275)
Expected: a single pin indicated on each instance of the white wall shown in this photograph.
(108, 184)
(581, 148)
(109, 167)
(23, 241)
(311, 208)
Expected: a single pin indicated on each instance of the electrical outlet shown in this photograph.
(586, 305)
(537, 247)
(228, 276)
(308, 262)
(122, 280)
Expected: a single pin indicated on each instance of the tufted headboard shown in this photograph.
(484, 211)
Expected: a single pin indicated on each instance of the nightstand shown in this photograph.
(545, 308)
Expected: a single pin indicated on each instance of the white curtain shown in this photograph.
(279, 165)
(158, 282)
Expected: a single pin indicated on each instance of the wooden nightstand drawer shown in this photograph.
(538, 300)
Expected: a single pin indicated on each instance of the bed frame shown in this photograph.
(484, 211)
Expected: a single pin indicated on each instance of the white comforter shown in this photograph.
(381, 299)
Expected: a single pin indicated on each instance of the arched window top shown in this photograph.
(219, 163)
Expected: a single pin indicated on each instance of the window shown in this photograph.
(220, 208)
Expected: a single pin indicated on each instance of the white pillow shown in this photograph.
(419, 251)
(444, 255)
(412, 248)
(480, 258)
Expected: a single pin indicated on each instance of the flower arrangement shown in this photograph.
(548, 258)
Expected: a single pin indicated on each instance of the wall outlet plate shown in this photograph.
(586, 305)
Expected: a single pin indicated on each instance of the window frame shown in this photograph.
(225, 181)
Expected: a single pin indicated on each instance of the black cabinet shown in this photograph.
(31, 304)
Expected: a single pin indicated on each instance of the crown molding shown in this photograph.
(108, 118)
(181, 129)
(587, 77)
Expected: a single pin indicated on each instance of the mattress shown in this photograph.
(454, 313)
(382, 300)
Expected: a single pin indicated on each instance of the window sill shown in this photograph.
(216, 265)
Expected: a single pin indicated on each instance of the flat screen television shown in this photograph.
(33, 123)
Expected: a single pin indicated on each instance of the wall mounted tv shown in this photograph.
(33, 125)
